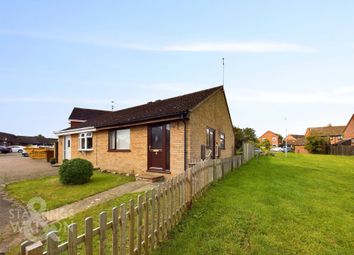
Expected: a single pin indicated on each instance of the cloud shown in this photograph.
(341, 95)
(101, 41)
(75, 101)
(256, 47)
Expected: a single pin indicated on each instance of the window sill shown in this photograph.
(122, 150)
(86, 150)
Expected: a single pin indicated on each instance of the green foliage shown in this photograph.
(316, 145)
(280, 138)
(75, 171)
(265, 145)
(244, 135)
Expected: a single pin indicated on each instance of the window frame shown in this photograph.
(115, 149)
(209, 132)
(222, 141)
(85, 136)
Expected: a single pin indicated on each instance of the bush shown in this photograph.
(75, 171)
(316, 145)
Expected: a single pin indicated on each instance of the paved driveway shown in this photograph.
(14, 167)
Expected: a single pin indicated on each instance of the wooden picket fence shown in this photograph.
(137, 228)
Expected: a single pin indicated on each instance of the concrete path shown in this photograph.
(82, 205)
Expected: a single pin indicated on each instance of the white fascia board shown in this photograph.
(76, 120)
(75, 131)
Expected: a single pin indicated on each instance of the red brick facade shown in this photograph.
(272, 137)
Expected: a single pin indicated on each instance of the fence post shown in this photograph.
(52, 243)
(89, 235)
(72, 242)
(33, 249)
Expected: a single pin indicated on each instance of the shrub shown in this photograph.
(316, 145)
(75, 171)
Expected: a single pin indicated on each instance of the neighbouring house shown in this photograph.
(293, 140)
(299, 145)
(333, 134)
(272, 137)
(7, 139)
(164, 136)
(348, 133)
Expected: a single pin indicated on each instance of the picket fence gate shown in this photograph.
(137, 228)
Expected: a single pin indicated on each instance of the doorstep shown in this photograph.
(151, 177)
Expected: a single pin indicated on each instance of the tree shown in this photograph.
(265, 144)
(280, 138)
(244, 135)
(316, 144)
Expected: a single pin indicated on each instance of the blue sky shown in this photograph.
(291, 59)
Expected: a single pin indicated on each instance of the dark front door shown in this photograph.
(159, 148)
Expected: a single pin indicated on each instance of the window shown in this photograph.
(222, 141)
(119, 139)
(85, 141)
(209, 137)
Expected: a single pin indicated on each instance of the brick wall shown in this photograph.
(212, 113)
(349, 130)
(269, 136)
(133, 161)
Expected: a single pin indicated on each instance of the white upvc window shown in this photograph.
(85, 141)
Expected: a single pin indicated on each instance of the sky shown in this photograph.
(288, 64)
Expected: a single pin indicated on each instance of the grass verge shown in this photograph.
(302, 204)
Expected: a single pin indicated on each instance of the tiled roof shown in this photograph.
(85, 114)
(300, 141)
(159, 109)
(327, 131)
(297, 136)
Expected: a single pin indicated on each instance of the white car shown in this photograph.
(17, 148)
(276, 149)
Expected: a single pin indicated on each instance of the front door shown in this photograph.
(67, 147)
(159, 148)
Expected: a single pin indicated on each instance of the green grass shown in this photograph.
(56, 194)
(302, 204)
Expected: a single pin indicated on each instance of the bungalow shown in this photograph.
(272, 137)
(164, 136)
(334, 134)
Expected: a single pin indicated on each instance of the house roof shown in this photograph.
(300, 141)
(159, 109)
(326, 131)
(269, 132)
(85, 114)
(297, 136)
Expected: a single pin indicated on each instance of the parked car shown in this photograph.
(17, 148)
(286, 149)
(4, 150)
(276, 149)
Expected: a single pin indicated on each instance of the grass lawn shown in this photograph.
(302, 204)
(56, 194)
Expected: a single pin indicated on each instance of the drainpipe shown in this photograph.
(185, 139)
